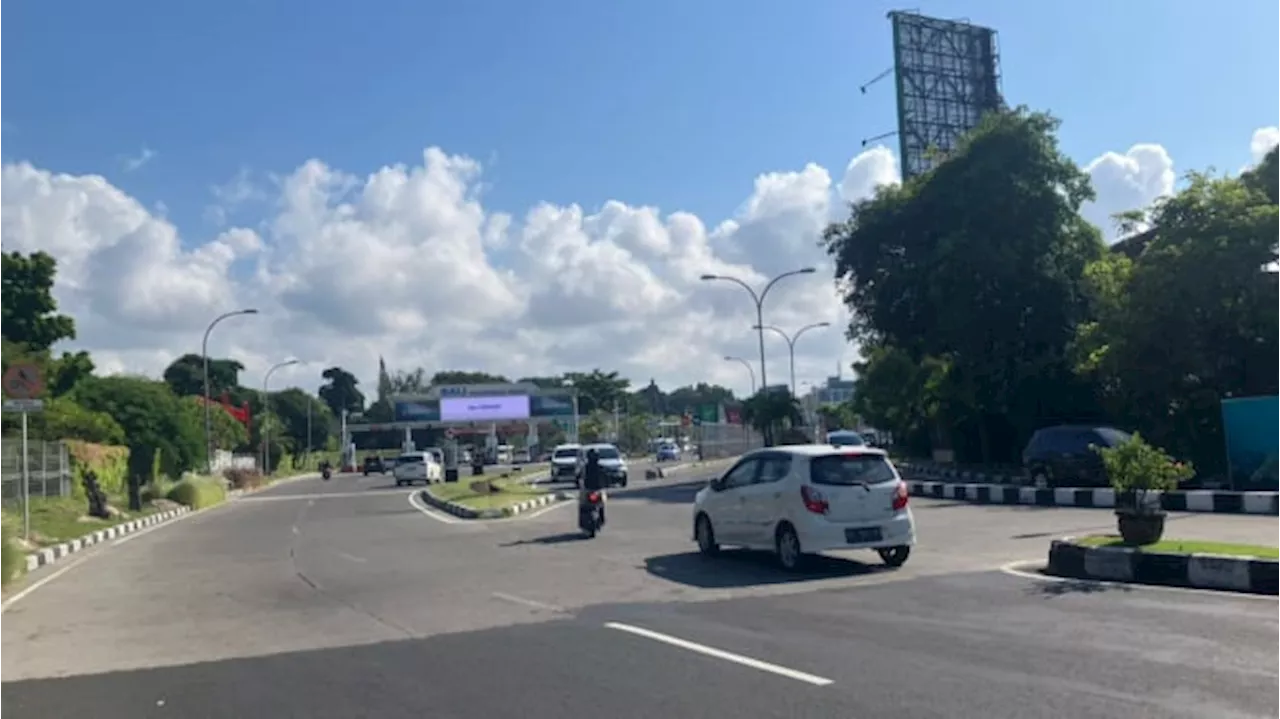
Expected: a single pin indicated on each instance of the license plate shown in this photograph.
(862, 535)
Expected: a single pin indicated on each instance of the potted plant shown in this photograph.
(1138, 472)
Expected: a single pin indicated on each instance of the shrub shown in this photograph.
(110, 464)
(13, 563)
(244, 478)
(199, 492)
(157, 488)
(1135, 468)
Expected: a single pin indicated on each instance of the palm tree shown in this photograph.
(772, 411)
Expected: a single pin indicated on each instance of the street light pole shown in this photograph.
(791, 344)
(759, 301)
(750, 370)
(204, 354)
(266, 409)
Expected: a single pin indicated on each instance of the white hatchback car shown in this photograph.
(804, 499)
(417, 467)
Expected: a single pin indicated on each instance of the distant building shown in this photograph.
(835, 391)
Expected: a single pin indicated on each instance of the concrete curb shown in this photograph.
(944, 473)
(49, 555)
(464, 512)
(1129, 564)
(1179, 501)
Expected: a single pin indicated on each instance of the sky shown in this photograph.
(534, 188)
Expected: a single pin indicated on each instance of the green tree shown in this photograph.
(979, 264)
(154, 420)
(185, 375)
(290, 406)
(598, 390)
(28, 311)
(340, 391)
(1265, 176)
(688, 399)
(228, 432)
(459, 377)
(1192, 319)
(772, 413)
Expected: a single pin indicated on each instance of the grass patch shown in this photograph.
(1186, 546)
(513, 489)
(58, 519)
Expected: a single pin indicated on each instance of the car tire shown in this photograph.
(786, 544)
(705, 535)
(399, 483)
(894, 556)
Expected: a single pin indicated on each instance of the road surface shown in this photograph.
(345, 599)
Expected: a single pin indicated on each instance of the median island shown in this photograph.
(482, 495)
(1184, 546)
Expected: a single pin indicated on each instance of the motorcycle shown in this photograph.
(591, 514)
(325, 473)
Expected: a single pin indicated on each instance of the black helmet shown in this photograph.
(593, 455)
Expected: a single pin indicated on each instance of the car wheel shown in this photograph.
(705, 535)
(894, 556)
(623, 483)
(399, 483)
(787, 546)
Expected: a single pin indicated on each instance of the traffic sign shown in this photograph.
(24, 405)
(23, 381)
(449, 433)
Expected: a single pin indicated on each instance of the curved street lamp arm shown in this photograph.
(774, 281)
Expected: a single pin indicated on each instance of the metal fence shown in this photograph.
(48, 469)
(720, 439)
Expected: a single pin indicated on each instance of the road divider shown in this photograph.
(1177, 501)
(512, 509)
(1072, 558)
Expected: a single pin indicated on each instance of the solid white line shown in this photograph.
(526, 602)
(418, 505)
(1019, 569)
(41, 582)
(721, 654)
(310, 497)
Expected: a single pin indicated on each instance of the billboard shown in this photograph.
(1251, 426)
(484, 409)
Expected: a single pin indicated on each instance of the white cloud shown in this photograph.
(1264, 138)
(137, 161)
(408, 264)
(1129, 181)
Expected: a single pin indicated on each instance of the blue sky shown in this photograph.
(676, 104)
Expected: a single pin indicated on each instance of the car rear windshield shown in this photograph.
(850, 469)
(410, 459)
(565, 453)
(846, 439)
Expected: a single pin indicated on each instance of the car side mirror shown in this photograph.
(717, 484)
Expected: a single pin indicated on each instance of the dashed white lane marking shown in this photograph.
(296, 530)
(526, 602)
(1025, 569)
(438, 516)
(351, 557)
(721, 654)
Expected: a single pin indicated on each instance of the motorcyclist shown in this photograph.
(325, 466)
(593, 480)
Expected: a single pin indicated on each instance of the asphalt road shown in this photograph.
(343, 599)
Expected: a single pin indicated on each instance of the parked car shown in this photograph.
(417, 467)
(799, 500)
(845, 438)
(668, 453)
(521, 456)
(1060, 456)
(564, 462)
(374, 463)
(611, 461)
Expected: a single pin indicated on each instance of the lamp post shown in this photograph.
(749, 370)
(204, 354)
(266, 408)
(759, 301)
(791, 344)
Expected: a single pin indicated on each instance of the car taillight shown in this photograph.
(813, 500)
(900, 496)
(593, 497)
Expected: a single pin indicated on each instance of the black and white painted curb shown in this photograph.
(511, 510)
(944, 473)
(1180, 501)
(49, 555)
(1128, 564)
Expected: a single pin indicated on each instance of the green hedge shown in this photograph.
(111, 464)
(199, 492)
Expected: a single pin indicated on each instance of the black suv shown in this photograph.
(1060, 456)
(374, 464)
